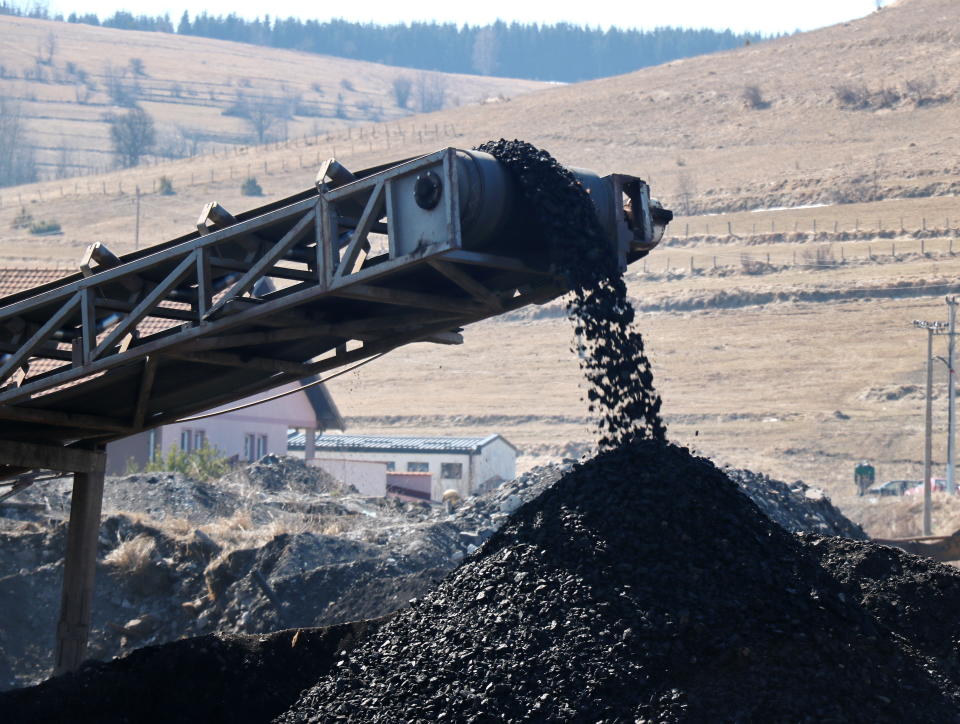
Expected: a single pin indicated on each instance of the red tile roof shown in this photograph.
(16, 280)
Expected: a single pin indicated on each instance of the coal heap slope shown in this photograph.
(643, 586)
(214, 678)
(912, 596)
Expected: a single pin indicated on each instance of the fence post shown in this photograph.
(691, 263)
(714, 262)
(923, 223)
(729, 229)
(836, 225)
(923, 247)
(814, 226)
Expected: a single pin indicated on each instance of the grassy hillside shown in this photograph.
(777, 345)
(67, 77)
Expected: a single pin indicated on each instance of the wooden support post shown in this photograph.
(310, 443)
(73, 629)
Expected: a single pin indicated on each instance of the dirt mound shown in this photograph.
(643, 586)
(796, 506)
(274, 474)
(892, 393)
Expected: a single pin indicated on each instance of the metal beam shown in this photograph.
(143, 394)
(493, 261)
(63, 419)
(150, 301)
(403, 298)
(466, 282)
(225, 359)
(266, 261)
(159, 256)
(49, 457)
(40, 336)
(371, 213)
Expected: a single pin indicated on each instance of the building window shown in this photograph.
(418, 467)
(391, 467)
(261, 445)
(451, 471)
(199, 438)
(152, 445)
(249, 447)
(186, 438)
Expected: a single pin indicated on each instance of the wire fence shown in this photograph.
(232, 164)
(811, 257)
(868, 228)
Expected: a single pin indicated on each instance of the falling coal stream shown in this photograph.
(611, 351)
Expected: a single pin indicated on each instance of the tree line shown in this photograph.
(558, 52)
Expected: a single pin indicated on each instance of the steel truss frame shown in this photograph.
(272, 296)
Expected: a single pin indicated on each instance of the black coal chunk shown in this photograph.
(612, 356)
(643, 586)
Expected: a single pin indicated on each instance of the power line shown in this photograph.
(281, 394)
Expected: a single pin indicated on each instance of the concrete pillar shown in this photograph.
(310, 443)
(73, 628)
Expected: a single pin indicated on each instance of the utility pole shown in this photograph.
(951, 395)
(136, 233)
(932, 328)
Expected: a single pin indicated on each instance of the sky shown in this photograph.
(766, 16)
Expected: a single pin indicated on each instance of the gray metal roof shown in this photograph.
(378, 443)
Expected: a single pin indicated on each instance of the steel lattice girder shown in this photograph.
(230, 335)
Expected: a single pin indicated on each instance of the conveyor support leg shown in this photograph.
(73, 629)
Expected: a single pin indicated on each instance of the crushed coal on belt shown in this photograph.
(611, 351)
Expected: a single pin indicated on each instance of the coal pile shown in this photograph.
(611, 351)
(215, 678)
(914, 597)
(643, 586)
(795, 506)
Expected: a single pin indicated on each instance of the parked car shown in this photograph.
(893, 487)
(937, 485)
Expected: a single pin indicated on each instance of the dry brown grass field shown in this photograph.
(797, 368)
(61, 75)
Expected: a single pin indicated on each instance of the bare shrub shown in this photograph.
(754, 266)
(18, 163)
(137, 67)
(923, 92)
(885, 97)
(753, 99)
(853, 96)
(132, 556)
(121, 90)
(132, 135)
(821, 256)
(431, 92)
(402, 85)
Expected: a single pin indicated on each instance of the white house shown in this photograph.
(244, 435)
(468, 465)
